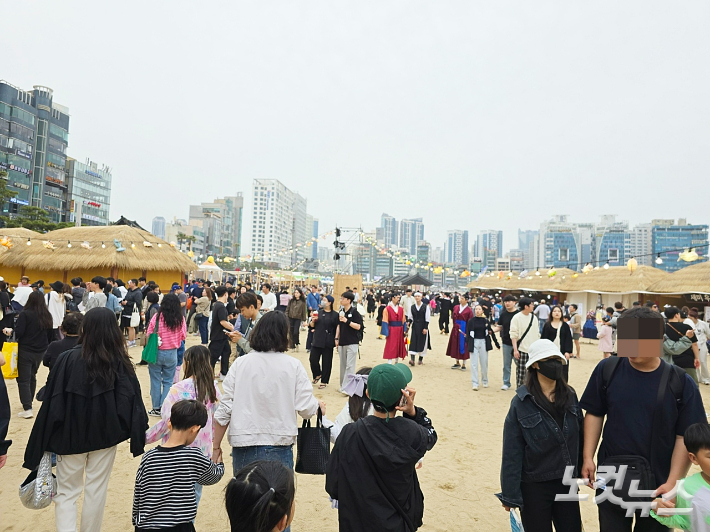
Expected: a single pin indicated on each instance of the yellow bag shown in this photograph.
(9, 352)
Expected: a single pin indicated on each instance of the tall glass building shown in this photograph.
(670, 240)
(34, 133)
(88, 196)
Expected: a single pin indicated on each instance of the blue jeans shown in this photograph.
(161, 375)
(507, 363)
(180, 353)
(242, 456)
(198, 493)
(202, 324)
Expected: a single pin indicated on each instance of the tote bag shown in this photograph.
(135, 316)
(312, 447)
(9, 353)
(150, 351)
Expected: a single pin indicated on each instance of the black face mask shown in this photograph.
(552, 369)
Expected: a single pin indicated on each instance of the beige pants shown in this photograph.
(71, 469)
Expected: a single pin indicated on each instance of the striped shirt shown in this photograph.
(169, 338)
(164, 495)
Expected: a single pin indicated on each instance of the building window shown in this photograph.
(564, 254)
(613, 255)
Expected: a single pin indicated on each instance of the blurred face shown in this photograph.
(418, 298)
(395, 299)
(478, 311)
(509, 305)
(131, 284)
(556, 314)
(297, 295)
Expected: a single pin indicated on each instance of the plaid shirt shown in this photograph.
(169, 338)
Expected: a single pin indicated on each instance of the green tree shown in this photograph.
(35, 219)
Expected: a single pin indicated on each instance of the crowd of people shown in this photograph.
(241, 382)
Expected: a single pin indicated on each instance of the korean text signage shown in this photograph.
(697, 298)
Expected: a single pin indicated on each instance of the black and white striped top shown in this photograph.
(164, 495)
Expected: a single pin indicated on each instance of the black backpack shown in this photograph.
(361, 333)
(675, 380)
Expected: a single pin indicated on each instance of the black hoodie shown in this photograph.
(371, 471)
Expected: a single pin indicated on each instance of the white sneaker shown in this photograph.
(485, 386)
(505, 387)
(475, 388)
(706, 382)
(26, 414)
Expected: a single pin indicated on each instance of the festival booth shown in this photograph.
(689, 286)
(13, 237)
(341, 281)
(547, 283)
(118, 251)
(209, 271)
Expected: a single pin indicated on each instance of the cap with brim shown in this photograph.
(330, 298)
(542, 349)
(386, 382)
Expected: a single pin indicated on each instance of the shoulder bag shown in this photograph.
(150, 351)
(313, 447)
(135, 315)
(520, 341)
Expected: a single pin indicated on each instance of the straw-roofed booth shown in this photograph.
(688, 286)
(549, 281)
(12, 238)
(119, 251)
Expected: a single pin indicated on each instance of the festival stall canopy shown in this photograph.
(616, 279)
(543, 280)
(688, 280)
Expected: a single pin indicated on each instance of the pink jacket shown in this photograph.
(604, 337)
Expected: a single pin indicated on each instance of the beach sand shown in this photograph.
(459, 477)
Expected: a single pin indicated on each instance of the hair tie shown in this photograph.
(272, 490)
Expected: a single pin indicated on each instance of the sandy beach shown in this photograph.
(459, 477)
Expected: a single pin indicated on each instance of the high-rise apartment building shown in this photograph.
(218, 225)
(669, 240)
(312, 224)
(456, 247)
(411, 232)
(34, 133)
(559, 244)
(389, 234)
(158, 227)
(88, 192)
(642, 244)
(423, 251)
(278, 222)
(612, 242)
(489, 247)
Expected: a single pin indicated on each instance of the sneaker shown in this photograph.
(475, 388)
(155, 412)
(706, 382)
(26, 414)
(505, 387)
(485, 386)
(131, 344)
(456, 366)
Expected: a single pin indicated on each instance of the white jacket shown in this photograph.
(57, 306)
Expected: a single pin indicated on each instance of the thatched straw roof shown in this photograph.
(691, 279)
(37, 256)
(532, 283)
(18, 233)
(616, 279)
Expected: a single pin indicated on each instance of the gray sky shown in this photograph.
(472, 115)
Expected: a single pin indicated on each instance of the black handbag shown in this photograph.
(312, 447)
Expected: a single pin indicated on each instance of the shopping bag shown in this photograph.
(40, 486)
(135, 316)
(9, 353)
(150, 351)
(312, 447)
(516, 524)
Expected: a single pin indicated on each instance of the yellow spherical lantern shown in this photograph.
(632, 264)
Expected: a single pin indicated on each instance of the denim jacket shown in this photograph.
(534, 447)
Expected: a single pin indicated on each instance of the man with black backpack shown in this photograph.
(648, 405)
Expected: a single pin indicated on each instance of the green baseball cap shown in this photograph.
(386, 382)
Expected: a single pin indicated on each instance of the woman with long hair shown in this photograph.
(261, 498)
(297, 313)
(542, 436)
(324, 325)
(33, 331)
(92, 403)
(199, 385)
(261, 412)
(558, 332)
(202, 313)
(7, 317)
(171, 333)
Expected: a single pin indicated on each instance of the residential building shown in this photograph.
(437, 255)
(612, 242)
(219, 224)
(526, 241)
(558, 244)
(389, 233)
(517, 260)
(423, 251)
(503, 265)
(456, 247)
(278, 222)
(489, 247)
(669, 240)
(88, 193)
(158, 227)
(642, 244)
(312, 224)
(410, 233)
(34, 133)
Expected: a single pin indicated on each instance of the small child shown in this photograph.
(262, 496)
(604, 336)
(694, 491)
(164, 495)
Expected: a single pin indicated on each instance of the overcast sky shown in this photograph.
(470, 114)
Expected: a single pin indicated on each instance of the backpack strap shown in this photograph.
(676, 382)
(608, 371)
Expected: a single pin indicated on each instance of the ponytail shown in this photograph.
(259, 497)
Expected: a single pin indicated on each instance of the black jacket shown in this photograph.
(534, 448)
(324, 329)
(481, 328)
(5, 414)
(550, 333)
(79, 417)
(31, 338)
(367, 485)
